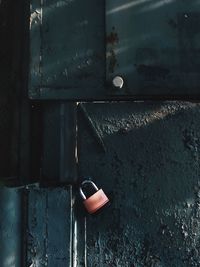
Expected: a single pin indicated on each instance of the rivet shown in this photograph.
(118, 82)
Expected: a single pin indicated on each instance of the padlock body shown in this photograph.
(96, 201)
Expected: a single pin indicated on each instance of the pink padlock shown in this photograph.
(95, 201)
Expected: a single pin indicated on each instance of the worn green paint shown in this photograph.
(150, 171)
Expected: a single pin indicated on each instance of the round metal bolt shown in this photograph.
(118, 82)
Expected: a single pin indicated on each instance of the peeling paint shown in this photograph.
(35, 17)
(112, 38)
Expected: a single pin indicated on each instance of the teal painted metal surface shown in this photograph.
(154, 46)
(150, 171)
(10, 227)
(67, 49)
(49, 226)
(144, 155)
(36, 227)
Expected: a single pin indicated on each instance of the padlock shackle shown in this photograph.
(87, 182)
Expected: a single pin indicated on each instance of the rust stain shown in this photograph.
(112, 38)
(112, 61)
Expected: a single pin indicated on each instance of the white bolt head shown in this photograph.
(118, 82)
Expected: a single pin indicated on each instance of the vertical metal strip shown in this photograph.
(10, 227)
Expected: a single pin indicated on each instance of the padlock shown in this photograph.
(95, 201)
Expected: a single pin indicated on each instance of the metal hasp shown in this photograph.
(154, 46)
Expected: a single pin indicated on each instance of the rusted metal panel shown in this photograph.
(49, 227)
(67, 49)
(154, 47)
(150, 171)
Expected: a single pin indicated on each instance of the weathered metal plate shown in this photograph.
(49, 229)
(154, 46)
(10, 227)
(67, 49)
(150, 171)
(36, 227)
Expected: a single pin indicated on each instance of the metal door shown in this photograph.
(145, 155)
